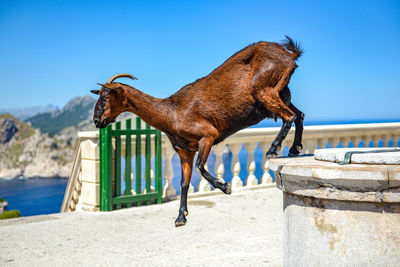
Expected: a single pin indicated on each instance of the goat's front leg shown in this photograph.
(205, 145)
(187, 166)
(297, 146)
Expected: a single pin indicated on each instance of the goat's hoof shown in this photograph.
(271, 155)
(228, 189)
(294, 151)
(180, 222)
(299, 147)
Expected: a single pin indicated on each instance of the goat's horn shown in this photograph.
(126, 75)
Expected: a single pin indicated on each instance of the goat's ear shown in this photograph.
(96, 92)
(104, 85)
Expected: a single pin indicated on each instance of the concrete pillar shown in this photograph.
(90, 192)
(340, 215)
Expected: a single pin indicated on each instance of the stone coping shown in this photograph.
(338, 154)
(306, 176)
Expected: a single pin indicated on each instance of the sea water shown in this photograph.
(33, 196)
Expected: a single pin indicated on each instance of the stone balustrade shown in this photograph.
(228, 159)
(351, 135)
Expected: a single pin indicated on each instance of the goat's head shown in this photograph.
(108, 106)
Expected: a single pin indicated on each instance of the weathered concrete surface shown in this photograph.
(341, 215)
(242, 229)
(339, 233)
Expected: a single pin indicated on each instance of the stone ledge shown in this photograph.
(354, 182)
(338, 154)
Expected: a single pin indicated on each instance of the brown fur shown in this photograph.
(248, 87)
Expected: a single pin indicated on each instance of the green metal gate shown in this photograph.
(111, 197)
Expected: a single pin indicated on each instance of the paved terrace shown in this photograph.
(242, 229)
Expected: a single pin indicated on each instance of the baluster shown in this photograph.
(191, 188)
(366, 140)
(355, 140)
(151, 181)
(333, 141)
(280, 152)
(322, 142)
(236, 181)
(72, 205)
(251, 164)
(395, 140)
(309, 146)
(345, 141)
(385, 139)
(169, 192)
(219, 164)
(266, 178)
(375, 140)
(287, 142)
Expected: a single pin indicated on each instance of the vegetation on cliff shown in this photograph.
(8, 214)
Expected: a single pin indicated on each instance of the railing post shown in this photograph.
(169, 192)
(355, 140)
(236, 181)
(395, 139)
(366, 140)
(375, 140)
(105, 169)
(251, 164)
(266, 178)
(309, 146)
(219, 165)
(385, 139)
(333, 141)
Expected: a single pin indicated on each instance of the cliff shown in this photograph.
(43, 145)
(27, 152)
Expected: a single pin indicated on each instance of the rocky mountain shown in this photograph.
(24, 113)
(25, 151)
(44, 144)
(78, 109)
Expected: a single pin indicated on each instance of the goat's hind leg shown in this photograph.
(294, 151)
(274, 103)
(205, 145)
(187, 166)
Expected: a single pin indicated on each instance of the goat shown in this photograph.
(248, 87)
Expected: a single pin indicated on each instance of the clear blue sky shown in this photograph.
(51, 51)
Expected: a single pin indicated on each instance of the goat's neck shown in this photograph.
(154, 111)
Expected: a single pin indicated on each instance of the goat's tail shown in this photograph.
(293, 46)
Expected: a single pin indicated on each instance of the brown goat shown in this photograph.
(248, 87)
